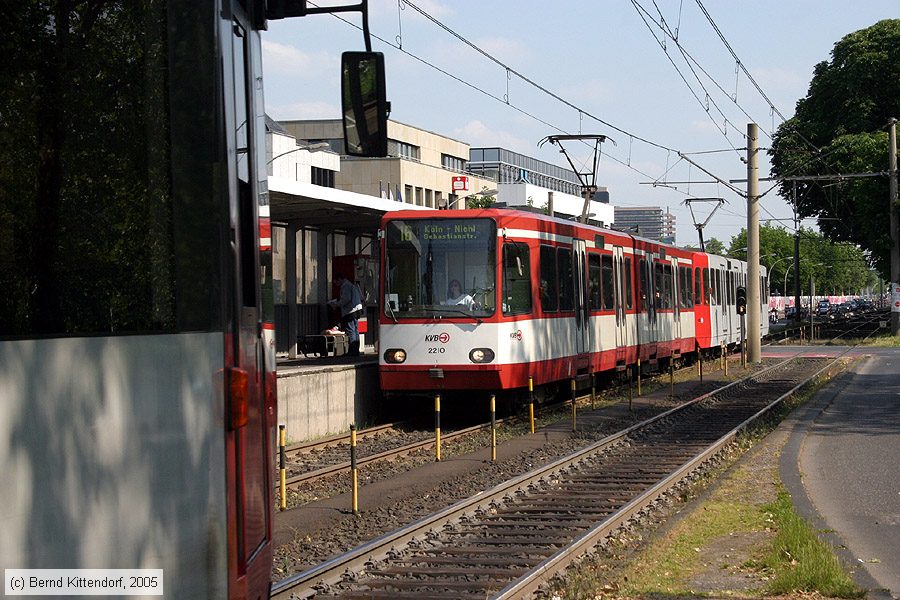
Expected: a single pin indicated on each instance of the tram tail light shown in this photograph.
(239, 397)
(395, 355)
(481, 355)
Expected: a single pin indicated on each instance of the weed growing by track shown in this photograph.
(798, 560)
(742, 538)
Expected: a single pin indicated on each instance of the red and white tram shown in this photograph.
(486, 299)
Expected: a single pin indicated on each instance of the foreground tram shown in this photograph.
(137, 351)
(490, 299)
(137, 388)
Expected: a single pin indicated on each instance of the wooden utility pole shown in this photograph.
(753, 293)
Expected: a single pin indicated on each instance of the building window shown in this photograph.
(322, 177)
(403, 150)
(453, 163)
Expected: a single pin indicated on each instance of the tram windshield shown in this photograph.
(440, 268)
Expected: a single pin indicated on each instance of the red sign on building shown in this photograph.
(460, 183)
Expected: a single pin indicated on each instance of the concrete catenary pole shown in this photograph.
(895, 229)
(753, 291)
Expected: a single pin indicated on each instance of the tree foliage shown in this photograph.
(839, 127)
(714, 246)
(838, 268)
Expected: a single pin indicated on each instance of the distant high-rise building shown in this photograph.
(650, 222)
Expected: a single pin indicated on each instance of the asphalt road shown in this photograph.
(842, 466)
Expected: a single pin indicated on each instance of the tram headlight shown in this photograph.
(395, 355)
(481, 355)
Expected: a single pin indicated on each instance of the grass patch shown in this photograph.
(797, 560)
(668, 563)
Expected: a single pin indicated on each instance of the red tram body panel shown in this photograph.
(488, 299)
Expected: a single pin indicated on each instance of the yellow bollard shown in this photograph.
(354, 471)
(630, 387)
(437, 427)
(671, 377)
(700, 363)
(493, 428)
(282, 470)
(593, 390)
(574, 408)
(639, 377)
(531, 403)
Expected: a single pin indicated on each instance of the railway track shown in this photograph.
(505, 542)
(327, 457)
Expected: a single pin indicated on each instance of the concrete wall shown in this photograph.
(316, 401)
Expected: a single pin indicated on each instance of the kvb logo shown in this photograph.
(516, 335)
(438, 337)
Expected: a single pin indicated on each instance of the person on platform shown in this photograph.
(456, 296)
(350, 303)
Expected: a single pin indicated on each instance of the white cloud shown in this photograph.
(434, 8)
(284, 58)
(476, 133)
(776, 78)
(507, 50)
(304, 110)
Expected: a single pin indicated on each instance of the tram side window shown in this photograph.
(682, 292)
(644, 284)
(594, 287)
(688, 287)
(698, 287)
(566, 281)
(629, 300)
(659, 287)
(729, 287)
(516, 279)
(549, 288)
(668, 287)
(720, 287)
(608, 285)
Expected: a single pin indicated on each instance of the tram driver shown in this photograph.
(456, 296)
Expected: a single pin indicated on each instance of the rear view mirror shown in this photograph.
(364, 105)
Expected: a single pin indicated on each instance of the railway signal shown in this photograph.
(741, 300)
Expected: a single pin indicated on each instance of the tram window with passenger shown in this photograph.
(594, 285)
(549, 287)
(424, 256)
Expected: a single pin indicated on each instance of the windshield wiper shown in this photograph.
(439, 314)
(391, 308)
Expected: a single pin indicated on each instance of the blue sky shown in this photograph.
(599, 56)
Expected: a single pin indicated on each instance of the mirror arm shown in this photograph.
(286, 9)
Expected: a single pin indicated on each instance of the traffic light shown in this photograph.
(741, 300)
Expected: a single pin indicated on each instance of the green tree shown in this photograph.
(839, 128)
(714, 246)
(838, 268)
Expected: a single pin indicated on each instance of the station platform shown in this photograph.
(319, 396)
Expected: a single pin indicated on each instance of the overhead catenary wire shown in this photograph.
(627, 163)
(506, 101)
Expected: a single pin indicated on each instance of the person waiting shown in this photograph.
(456, 296)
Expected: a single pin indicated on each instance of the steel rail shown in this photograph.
(529, 583)
(301, 585)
